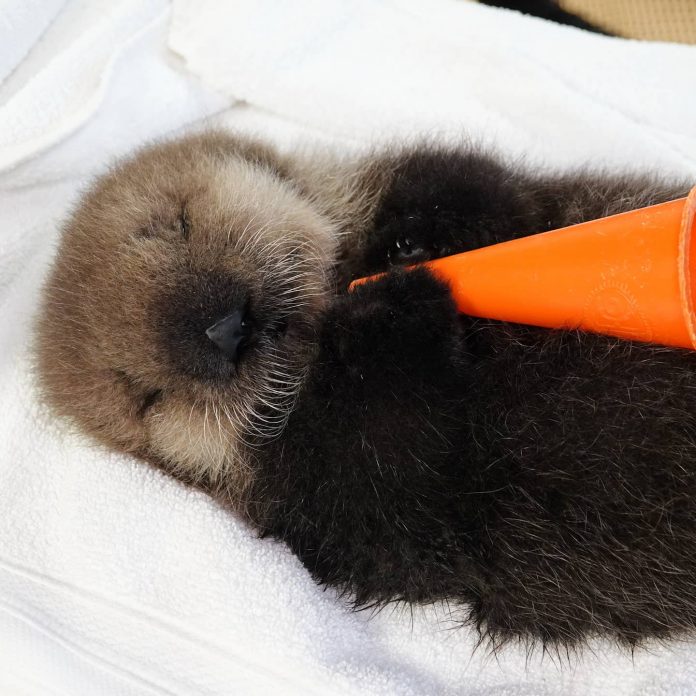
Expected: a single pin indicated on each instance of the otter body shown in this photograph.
(197, 316)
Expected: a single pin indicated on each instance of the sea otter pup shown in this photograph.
(197, 317)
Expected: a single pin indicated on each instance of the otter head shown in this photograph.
(177, 320)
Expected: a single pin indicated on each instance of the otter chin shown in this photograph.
(178, 318)
(543, 482)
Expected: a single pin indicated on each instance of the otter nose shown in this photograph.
(230, 333)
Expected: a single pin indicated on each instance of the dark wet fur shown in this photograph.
(547, 479)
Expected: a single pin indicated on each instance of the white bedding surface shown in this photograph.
(117, 580)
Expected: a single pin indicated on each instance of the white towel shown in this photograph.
(376, 68)
(22, 22)
(117, 580)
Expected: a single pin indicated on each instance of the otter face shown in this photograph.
(178, 319)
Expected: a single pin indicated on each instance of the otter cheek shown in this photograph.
(195, 443)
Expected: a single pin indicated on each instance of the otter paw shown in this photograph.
(404, 323)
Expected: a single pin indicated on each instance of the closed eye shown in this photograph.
(184, 223)
(159, 228)
(150, 399)
(147, 400)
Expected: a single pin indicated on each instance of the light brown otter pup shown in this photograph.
(208, 231)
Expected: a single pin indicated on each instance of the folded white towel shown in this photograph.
(117, 580)
(22, 22)
(390, 68)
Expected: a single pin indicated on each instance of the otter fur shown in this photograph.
(197, 316)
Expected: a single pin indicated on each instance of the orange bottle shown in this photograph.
(628, 275)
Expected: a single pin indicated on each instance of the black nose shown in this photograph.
(230, 334)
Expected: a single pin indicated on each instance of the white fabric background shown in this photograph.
(117, 580)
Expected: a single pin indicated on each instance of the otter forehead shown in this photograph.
(229, 197)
